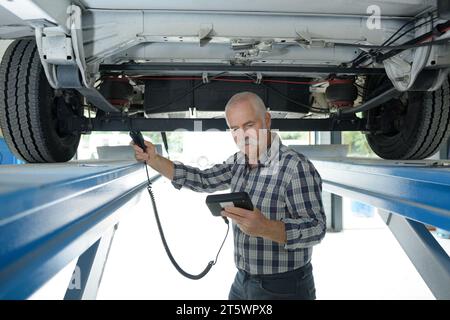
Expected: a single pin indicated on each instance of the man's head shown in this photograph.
(249, 122)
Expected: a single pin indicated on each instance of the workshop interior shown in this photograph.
(360, 88)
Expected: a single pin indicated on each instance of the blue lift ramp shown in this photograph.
(409, 195)
(51, 214)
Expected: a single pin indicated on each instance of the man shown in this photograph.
(273, 243)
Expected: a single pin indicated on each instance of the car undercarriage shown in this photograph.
(380, 67)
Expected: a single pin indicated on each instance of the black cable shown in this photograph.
(363, 90)
(438, 30)
(412, 29)
(185, 94)
(222, 73)
(365, 55)
(355, 61)
(399, 47)
(223, 242)
(163, 238)
(359, 86)
(396, 32)
(289, 99)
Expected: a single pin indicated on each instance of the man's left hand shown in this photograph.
(253, 223)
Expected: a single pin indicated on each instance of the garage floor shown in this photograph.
(363, 262)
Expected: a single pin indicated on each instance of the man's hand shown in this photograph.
(255, 224)
(154, 160)
(147, 156)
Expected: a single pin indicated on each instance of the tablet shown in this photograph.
(216, 202)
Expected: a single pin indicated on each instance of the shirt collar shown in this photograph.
(268, 155)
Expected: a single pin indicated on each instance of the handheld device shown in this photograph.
(216, 202)
(138, 139)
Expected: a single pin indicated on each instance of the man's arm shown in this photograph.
(216, 178)
(213, 179)
(162, 165)
(275, 231)
(307, 225)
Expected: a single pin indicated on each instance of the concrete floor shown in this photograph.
(363, 262)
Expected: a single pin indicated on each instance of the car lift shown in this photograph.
(52, 214)
(409, 195)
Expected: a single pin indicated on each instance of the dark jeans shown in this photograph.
(293, 285)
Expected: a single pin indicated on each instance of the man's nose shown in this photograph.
(250, 133)
(239, 136)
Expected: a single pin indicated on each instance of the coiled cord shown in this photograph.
(163, 238)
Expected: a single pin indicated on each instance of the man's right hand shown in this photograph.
(147, 156)
(154, 160)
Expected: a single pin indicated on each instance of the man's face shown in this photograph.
(248, 127)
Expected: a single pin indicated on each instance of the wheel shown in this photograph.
(414, 126)
(29, 106)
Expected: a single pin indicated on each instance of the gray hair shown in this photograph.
(251, 97)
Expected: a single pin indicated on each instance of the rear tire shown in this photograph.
(28, 108)
(413, 126)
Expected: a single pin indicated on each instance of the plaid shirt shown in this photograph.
(283, 186)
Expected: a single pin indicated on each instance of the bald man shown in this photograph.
(273, 243)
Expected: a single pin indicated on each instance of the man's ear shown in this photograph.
(268, 120)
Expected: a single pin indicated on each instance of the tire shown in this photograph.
(413, 126)
(28, 107)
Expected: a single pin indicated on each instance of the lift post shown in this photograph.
(409, 196)
(88, 272)
(52, 214)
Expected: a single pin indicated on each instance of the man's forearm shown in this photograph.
(162, 165)
(275, 231)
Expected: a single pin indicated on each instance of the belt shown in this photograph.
(296, 272)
